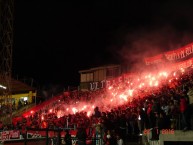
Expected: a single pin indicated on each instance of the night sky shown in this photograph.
(53, 40)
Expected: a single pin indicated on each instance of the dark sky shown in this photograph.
(53, 40)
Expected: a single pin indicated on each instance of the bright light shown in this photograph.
(130, 92)
(165, 74)
(150, 83)
(182, 70)
(153, 78)
(88, 113)
(84, 107)
(124, 97)
(156, 83)
(4, 87)
(74, 110)
(25, 98)
(121, 93)
(139, 118)
(110, 87)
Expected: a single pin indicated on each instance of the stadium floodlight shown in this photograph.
(4, 87)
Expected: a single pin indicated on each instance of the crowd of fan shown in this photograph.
(166, 108)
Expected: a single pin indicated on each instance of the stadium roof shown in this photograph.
(101, 67)
(16, 86)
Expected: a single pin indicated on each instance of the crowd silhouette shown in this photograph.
(168, 106)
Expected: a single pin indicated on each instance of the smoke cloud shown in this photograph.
(147, 42)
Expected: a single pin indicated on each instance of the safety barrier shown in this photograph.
(43, 136)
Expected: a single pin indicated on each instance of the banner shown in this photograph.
(106, 83)
(36, 134)
(51, 134)
(8, 135)
(110, 82)
(15, 134)
(179, 54)
(182, 65)
(154, 60)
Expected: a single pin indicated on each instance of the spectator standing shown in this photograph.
(140, 119)
(67, 138)
(119, 140)
(132, 119)
(109, 138)
(156, 111)
(122, 125)
(97, 113)
(81, 135)
(183, 111)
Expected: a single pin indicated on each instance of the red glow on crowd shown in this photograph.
(121, 93)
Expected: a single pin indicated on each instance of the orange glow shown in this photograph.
(88, 113)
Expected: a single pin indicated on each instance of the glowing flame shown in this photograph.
(120, 93)
(182, 70)
(156, 83)
(84, 107)
(124, 97)
(150, 83)
(110, 87)
(153, 78)
(74, 110)
(88, 113)
(139, 118)
(165, 74)
(130, 92)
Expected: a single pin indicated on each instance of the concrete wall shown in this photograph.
(29, 142)
(177, 136)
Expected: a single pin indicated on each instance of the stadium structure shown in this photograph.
(103, 88)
